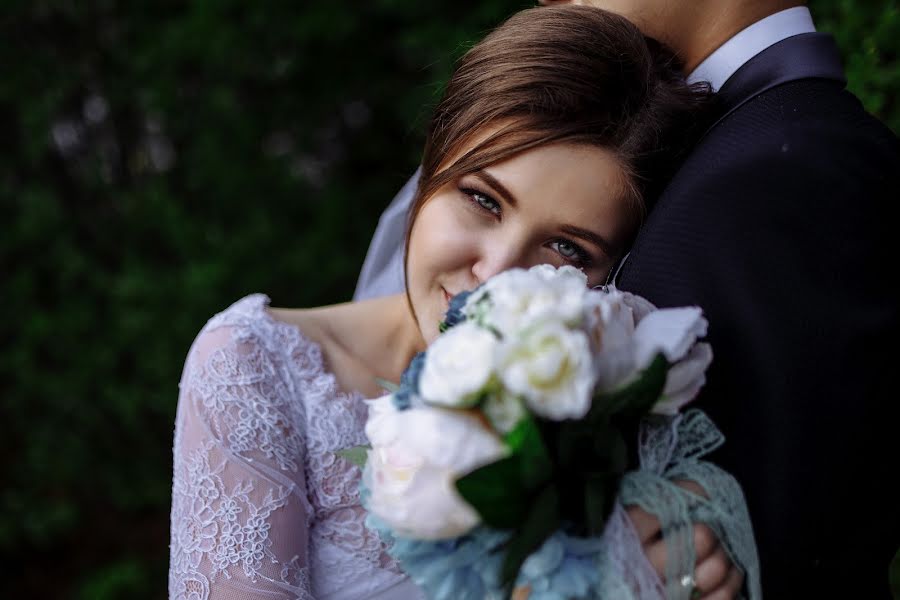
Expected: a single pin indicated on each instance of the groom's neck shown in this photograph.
(696, 32)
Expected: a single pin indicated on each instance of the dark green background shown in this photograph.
(162, 159)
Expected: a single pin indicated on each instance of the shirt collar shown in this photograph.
(733, 54)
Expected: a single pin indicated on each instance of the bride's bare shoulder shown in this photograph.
(314, 323)
(335, 324)
(350, 336)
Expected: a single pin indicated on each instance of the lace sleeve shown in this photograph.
(240, 514)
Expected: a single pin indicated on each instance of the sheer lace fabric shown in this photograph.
(671, 450)
(261, 507)
(613, 566)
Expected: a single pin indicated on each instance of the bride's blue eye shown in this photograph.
(483, 201)
(571, 251)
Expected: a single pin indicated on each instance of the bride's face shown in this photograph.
(560, 204)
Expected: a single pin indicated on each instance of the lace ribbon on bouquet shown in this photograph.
(614, 566)
(672, 450)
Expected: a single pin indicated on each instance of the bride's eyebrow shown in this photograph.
(495, 184)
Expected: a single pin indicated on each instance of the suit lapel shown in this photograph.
(804, 56)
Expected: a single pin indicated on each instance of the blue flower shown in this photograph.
(409, 382)
(563, 567)
(455, 314)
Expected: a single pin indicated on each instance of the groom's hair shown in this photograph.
(569, 74)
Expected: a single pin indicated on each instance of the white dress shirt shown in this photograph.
(733, 54)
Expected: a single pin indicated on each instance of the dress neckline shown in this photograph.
(261, 303)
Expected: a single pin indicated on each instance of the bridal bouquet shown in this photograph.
(498, 458)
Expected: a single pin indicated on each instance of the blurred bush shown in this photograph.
(868, 34)
(163, 159)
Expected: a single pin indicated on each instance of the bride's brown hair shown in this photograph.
(569, 74)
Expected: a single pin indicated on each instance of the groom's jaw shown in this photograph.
(694, 29)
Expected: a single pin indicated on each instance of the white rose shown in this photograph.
(381, 423)
(672, 331)
(551, 367)
(611, 326)
(457, 366)
(416, 457)
(504, 411)
(518, 298)
(684, 380)
(564, 274)
(630, 331)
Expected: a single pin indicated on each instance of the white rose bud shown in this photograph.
(551, 368)
(684, 380)
(457, 366)
(416, 457)
(519, 298)
(504, 411)
(672, 331)
(611, 324)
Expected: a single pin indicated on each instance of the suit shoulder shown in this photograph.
(817, 115)
(810, 138)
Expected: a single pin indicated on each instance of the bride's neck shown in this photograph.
(383, 334)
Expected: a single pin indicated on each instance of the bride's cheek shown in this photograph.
(454, 239)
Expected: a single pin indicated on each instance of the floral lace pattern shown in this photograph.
(260, 504)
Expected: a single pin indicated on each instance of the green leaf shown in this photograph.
(356, 455)
(636, 399)
(600, 491)
(540, 523)
(526, 441)
(592, 459)
(575, 442)
(614, 452)
(388, 386)
(496, 492)
(524, 434)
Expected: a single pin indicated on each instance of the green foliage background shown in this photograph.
(162, 159)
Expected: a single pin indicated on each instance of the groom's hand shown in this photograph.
(715, 577)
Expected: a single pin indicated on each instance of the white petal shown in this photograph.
(458, 364)
(640, 306)
(671, 331)
(685, 379)
(690, 368)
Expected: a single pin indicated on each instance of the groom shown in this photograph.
(775, 225)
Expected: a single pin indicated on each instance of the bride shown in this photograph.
(549, 139)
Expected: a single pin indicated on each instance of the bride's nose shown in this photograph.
(496, 255)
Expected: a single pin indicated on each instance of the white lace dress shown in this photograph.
(261, 507)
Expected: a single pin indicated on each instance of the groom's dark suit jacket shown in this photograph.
(778, 226)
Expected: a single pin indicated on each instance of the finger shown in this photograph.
(692, 486)
(712, 572)
(705, 541)
(645, 524)
(733, 585)
(521, 593)
(656, 554)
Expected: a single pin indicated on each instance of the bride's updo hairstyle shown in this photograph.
(570, 74)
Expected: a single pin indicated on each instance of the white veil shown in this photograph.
(382, 271)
